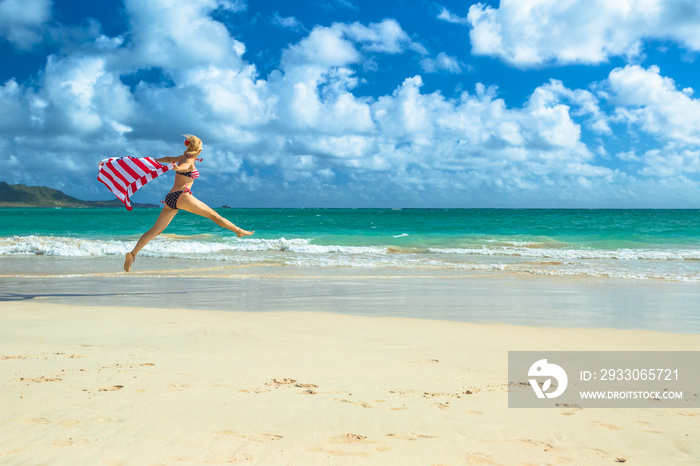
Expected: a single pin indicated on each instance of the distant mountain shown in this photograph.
(19, 195)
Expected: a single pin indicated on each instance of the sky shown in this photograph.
(357, 103)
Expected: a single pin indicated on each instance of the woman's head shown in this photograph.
(193, 143)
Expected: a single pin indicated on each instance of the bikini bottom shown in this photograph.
(171, 198)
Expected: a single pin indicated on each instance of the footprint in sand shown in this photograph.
(424, 394)
(352, 444)
(35, 421)
(537, 444)
(284, 382)
(113, 388)
(254, 390)
(308, 387)
(351, 438)
(245, 457)
(529, 442)
(139, 367)
(70, 442)
(41, 379)
(603, 425)
(68, 423)
(281, 382)
(253, 438)
(364, 404)
(410, 436)
(443, 406)
(480, 458)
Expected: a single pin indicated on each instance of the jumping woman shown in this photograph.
(181, 197)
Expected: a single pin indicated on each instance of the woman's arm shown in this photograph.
(181, 163)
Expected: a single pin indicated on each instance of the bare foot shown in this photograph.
(241, 233)
(130, 258)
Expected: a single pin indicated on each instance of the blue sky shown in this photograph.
(348, 103)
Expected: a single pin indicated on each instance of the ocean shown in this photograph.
(607, 244)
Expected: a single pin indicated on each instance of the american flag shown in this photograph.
(123, 176)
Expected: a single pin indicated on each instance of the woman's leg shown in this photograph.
(166, 215)
(191, 204)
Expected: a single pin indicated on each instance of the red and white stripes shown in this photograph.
(124, 176)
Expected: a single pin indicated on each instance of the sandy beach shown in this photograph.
(122, 384)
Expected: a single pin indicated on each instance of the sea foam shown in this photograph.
(641, 263)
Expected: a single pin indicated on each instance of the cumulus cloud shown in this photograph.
(324, 47)
(654, 104)
(233, 5)
(442, 62)
(22, 22)
(84, 97)
(306, 129)
(179, 35)
(536, 32)
(288, 22)
(670, 163)
(314, 84)
(447, 15)
(344, 44)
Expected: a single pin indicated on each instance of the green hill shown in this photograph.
(19, 195)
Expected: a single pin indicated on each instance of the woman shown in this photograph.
(181, 197)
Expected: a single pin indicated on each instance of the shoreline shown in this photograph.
(130, 385)
(545, 301)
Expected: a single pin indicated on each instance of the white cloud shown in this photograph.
(344, 44)
(83, 95)
(384, 37)
(587, 103)
(22, 22)
(233, 5)
(288, 22)
(652, 102)
(670, 163)
(179, 35)
(442, 62)
(537, 32)
(14, 108)
(307, 129)
(323, 47)
(316, 79)
(447, 15)
(479, 140)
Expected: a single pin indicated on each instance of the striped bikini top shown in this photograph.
(190, 174)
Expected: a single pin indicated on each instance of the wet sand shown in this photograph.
(464, 297)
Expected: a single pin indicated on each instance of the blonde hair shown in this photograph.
(194, 146)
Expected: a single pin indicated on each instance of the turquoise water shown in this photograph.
(615, 244)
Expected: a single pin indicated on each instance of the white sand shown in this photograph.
(113, 386)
